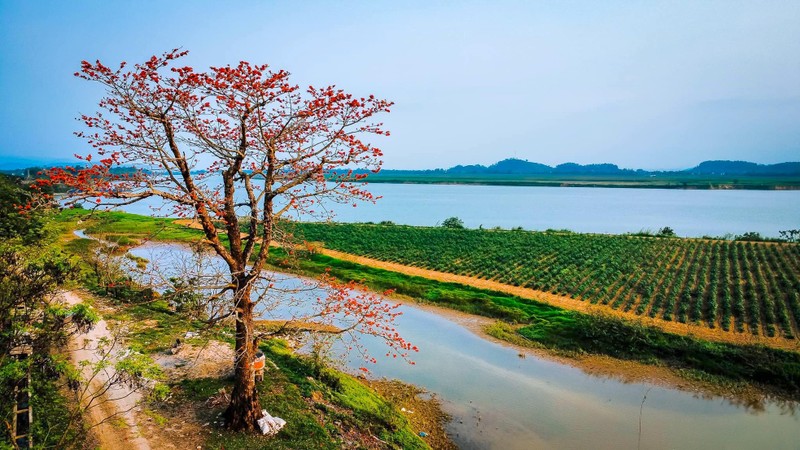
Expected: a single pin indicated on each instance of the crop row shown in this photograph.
(743, 286)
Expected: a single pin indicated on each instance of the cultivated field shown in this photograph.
(750, 287)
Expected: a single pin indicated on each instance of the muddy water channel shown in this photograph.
(500, 400)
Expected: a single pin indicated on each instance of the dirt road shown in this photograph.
(117, 402)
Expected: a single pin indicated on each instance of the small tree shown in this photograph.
(666, 232)
(277, 150)
(749, 236)
(453, 222)
(790, 235)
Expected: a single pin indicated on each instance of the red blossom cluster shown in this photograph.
(353, 308)
(244, 119)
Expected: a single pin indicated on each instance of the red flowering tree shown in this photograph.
(276, 148)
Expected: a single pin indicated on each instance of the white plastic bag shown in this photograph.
(270, 425)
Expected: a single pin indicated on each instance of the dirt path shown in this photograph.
(565, 302)
(122, 432)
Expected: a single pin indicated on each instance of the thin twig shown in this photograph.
(641, 408)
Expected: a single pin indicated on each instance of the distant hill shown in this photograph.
(514, 166)
(518, 172)
(9, 163)
(594, 169)
(518, 166)
(745, 168)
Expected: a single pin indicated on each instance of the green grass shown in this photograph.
(80, 246)
(153, 327)
(127, 226)
(453, 295)
(287, 393)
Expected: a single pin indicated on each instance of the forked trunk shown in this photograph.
(244, 410)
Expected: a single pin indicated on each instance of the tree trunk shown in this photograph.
(244, 410)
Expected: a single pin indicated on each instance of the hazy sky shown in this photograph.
(642, 84)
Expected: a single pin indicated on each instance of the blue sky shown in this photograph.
(643, 84)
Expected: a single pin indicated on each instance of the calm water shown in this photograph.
(690, 213)
(499, 400)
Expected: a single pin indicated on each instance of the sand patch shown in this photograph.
(212, 360)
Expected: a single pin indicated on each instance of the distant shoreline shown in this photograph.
(699, 184)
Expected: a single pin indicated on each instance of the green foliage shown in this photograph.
(790, 235)
(27, 226)
(32, 269)
(453, 222)
(456, 296)
(137, 368)
(29, 278)
(749, 236)
(666, 232)
(55, 424)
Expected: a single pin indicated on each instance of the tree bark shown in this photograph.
(244, 409)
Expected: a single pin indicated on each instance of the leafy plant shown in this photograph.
(453, 222)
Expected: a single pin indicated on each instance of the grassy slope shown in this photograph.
(543, 325)
(285, 392)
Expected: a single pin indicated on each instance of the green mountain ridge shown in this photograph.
(514, 166)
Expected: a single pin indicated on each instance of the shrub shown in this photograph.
(666, 232)
(453, 222)
(749, 236)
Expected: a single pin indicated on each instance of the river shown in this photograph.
(498, 399)
(691, 213)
